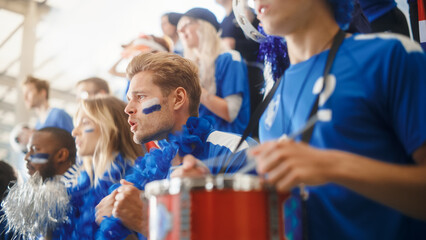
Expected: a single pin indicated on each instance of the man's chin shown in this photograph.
(138, 139)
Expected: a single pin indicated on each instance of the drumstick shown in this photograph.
(322, 115)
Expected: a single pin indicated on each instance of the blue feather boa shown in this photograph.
(84, 198)
(156, 164)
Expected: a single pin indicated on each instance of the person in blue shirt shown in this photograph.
(223, 73)
(36, 96)
(364, 169)
(51, 154)
(385, 16)
(164, 97)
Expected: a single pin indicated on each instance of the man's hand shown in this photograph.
(130, 208)
(191, 167)
(288, 164)
(104, 208)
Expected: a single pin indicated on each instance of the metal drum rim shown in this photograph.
(236, 182)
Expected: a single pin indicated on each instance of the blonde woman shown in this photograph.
(104, 143)
(223, 73)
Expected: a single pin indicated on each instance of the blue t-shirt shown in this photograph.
(374, 9)
(57, 118)
(231, 78)
(378, 111)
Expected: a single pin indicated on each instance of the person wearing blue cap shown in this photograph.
(223, 72)
(360, 171)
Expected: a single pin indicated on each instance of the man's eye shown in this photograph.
(140, 97)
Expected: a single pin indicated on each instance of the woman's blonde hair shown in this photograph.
(209, 48)
(108, 113)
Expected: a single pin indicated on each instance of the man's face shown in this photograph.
(150, 113)
(41, 146)
(32, 97)
(281, 17)
(87, 134)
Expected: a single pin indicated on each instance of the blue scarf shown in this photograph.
(156, 164)
(84, 198)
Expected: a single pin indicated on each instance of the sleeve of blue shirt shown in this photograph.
(223, 159)
(404, 89)
(60, 119)
(231, 75)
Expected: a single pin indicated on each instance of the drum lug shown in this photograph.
(274, 213)
(185, 215)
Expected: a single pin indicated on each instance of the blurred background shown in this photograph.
(64, 41)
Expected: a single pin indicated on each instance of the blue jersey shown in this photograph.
(377, 103)
(374, 9)
(57, 118)
(231, 78)
(220, 152)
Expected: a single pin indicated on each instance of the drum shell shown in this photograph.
(200, 213)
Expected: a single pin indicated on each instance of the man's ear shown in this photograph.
(180, 98)
(62, 155)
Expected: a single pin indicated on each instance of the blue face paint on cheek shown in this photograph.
(152, 109)
(89, 130)
(39, 158)
(151, 105)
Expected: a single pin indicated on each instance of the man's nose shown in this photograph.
(130, 109)
(27, 157)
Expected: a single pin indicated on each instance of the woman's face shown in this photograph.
(188, 32)
(87, 134)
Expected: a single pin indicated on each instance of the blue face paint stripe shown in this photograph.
(89, 130)
(39, 158)
(151, 109)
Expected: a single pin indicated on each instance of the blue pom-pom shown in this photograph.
(274, 50)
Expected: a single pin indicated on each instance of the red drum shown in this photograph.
(219, 208)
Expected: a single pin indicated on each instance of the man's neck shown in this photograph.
(42, 111)
(311, 38)
(181, 119)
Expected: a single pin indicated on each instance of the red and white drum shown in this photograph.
(220, 208)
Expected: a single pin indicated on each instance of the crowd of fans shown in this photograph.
(189, 97)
